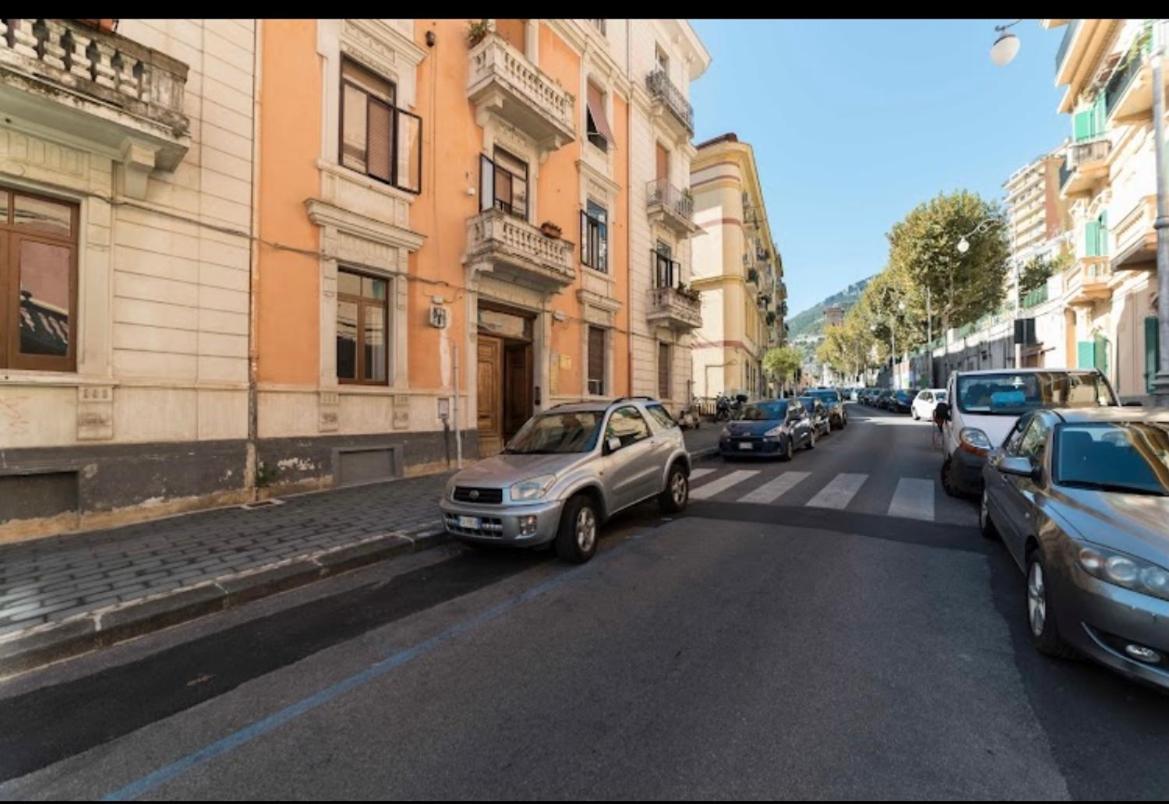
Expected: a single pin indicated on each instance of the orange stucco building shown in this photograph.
(443, 239)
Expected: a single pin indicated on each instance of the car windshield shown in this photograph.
(556, 432)
(1130, 457)
(1010, 394)
(764, 411)
(940, 396)
(809, 402)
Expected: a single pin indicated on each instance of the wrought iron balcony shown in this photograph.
(670, 206)
(674, 308)
(517, 250)
(502, 81)
(670, 98)
(68, 75)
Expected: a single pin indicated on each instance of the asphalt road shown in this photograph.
(786, 637)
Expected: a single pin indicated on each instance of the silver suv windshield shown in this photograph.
(551, 433)
(1011, 393)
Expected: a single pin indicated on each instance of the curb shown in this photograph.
(51, 642)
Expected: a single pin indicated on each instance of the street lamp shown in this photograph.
(1006, 47)
(964, 246)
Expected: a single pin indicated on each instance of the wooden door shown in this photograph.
(517, 380)
(490, 382)
(663, 163)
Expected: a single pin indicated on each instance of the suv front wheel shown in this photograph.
(576, 541)
(677, 491)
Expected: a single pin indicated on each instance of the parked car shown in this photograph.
(1080, 498)
(883, 398)
(818, 412)
(833, 400)
(983, 406)
(901, 401)
(925, 402)
(768, 428)
(568, 470)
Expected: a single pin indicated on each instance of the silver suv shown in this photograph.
(567, 470)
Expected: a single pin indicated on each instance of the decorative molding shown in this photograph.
(95, 413)
(362, 227)
(383, 48)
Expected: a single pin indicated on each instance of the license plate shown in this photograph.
(746, 445)
(469, 522)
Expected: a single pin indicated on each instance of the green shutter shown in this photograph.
(1092, 239)
(1100, 356)
(1099, 116)
(1152, 351)
(1082, 125)
(1085, 354)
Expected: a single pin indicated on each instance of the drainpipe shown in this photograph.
(253, 268)
(629, 203)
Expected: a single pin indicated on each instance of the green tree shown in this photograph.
(1036, 271)
(781, 363)
(923, 250)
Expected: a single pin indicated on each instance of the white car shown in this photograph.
(925, 402)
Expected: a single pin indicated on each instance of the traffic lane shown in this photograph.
(704, 660)
(1107, 733)
(80, 708)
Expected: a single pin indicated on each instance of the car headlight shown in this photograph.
(532, 489)
(775, 432)
(1124, 570)
(726, 433)
(974, 440)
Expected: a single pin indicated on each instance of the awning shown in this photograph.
(597, 110)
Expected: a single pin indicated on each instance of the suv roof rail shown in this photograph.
(630, 398)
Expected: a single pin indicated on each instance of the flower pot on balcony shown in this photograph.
(550, 230)
(477, 31)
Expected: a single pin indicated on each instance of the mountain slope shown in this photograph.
(811, 321)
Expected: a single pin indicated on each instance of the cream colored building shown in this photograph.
(1109, 183)
(126, 171)
(665, 55)
(738, 270)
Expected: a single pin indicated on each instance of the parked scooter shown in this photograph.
(690, 418)
(727, 409)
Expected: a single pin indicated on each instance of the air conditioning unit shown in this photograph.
(438, 316)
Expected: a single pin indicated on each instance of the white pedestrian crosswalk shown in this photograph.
(775, 488)
(721, 484)
(913, 497)
(839, 492)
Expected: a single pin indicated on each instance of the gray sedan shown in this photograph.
(1080, 498)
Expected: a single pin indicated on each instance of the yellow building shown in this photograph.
(738, 270)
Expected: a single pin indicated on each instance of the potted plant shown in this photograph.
(551, 230)
(477, 31)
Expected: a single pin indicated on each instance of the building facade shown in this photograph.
(126, 153)
(737, 269)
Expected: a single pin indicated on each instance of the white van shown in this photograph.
(983, 406)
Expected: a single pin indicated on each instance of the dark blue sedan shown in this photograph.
(776, 427)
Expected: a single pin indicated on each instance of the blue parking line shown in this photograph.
(271, 722)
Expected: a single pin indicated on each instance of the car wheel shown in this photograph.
(947, 478)
(788, 450)
(1040, 614)
(677, 491)
(914, 414)
(576, 541)
(985, 523)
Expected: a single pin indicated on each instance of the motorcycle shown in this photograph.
(691, 417)
(726, 409)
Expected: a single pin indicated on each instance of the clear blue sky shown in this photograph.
(856, 122)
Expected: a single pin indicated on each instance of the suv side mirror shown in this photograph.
(612, 444)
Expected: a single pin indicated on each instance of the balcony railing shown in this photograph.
(1068, 36)
(660, 192)
(1084, 153)
(110, 78)
(517, 248)
(1127, 73)
(675, 308)
(1034, 298)
(505, 82)
(662, 89)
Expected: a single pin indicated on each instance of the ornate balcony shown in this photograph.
(671, 207)
(671, 307)
(1088, 281)
(518, 251)
(1135, 237)
(1087, 163)
(670, 105)
(97, 85)
(503, 82)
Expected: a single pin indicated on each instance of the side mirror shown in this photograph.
(612, 445)
(1019, 466)
(942, 409)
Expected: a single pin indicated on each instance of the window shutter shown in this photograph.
(379, 140)
(596, 360)
(663, 371)
(1102, 234)
(1082, 125)
(486, 183)
(596, 104)
(1085, 354)
(1099, 116)
(1152, 351)
(409, 155)
(584, 237)
(1092, 239)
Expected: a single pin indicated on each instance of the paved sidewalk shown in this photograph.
(64, 594)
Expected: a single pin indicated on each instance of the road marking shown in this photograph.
(772, 490)
(913, 499)
(722, 484)
(697, 473)
(838, 493)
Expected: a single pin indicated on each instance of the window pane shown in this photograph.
(346, 340)
(44, 299)
(409, 152)
(348, 283)
(353, 132)
(486, 183)
(373, 288)
(503, 189)
(373, 84)
(374, 343)
(39, 215)
(381, 122)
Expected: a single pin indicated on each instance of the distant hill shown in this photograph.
(811, 321)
